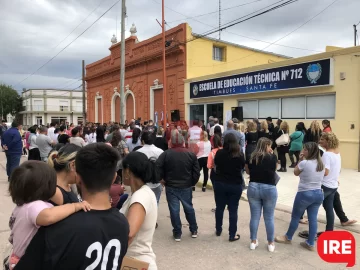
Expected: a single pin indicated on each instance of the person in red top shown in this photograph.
(117, 194)
(326, 126)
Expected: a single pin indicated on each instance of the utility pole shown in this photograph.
(83, 93)
(164, 62)
(122, 65)
(355, 33)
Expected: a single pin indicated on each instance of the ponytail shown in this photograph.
(60, 160)
(150, 172)
(142, 167)
(320, 165)
(53, 155)
(314, 154)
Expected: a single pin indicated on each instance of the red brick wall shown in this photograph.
(143, 66)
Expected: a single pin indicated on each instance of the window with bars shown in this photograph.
(218, 53)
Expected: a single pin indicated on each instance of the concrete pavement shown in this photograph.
(349, 189)
(208, 251)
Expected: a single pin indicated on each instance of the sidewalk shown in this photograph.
(208, 251)
(349, 193)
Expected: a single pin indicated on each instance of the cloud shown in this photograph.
(31, 31)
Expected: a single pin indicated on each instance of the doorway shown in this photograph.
(215, 110)
(203, 111)
(39, 120)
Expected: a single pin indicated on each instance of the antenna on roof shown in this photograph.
(219, 19)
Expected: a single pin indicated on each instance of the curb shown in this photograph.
(288, 210)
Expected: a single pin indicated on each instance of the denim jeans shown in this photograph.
(184, 195)
(328, 204)
(262, 197)
(227, 194)
(306, 200)
(157, 192)
(12, 161)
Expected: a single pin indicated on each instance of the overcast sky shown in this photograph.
(31, 30)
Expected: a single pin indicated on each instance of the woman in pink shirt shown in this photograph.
(326, 126)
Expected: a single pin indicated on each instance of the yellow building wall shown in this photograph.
(199, 54)
(347, 99)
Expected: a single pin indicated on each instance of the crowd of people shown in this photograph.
(71, 197)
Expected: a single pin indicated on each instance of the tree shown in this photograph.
(10, 101)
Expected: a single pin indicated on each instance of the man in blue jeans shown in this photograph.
(11, 142)
(180, 171)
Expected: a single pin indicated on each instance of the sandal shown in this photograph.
(304, 234)
(303, 221)
(237, 237)
(348, 223)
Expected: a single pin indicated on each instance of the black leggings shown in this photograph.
(203, 166)
(282, 157)
(291, 155)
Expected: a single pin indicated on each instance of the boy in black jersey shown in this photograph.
(93, 240)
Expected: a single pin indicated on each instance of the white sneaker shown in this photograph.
(253, 246)
(271, 248)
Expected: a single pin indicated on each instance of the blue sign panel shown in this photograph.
(311, 74)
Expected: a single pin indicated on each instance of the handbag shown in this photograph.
(277, 178)
(284, 139)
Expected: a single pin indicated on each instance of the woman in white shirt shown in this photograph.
(76, 139)
(91, 138)
(332, 162)
(134, 140)
(309, 196)
(204, 149)
(141, 207)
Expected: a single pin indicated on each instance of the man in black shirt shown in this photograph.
(270, 125)
(93, 240)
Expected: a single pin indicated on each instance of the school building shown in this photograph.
(315, 87)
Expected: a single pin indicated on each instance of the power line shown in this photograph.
(52, 58)
(235, 22)
(236, 33)
(213, 12)
(66, 84)
(289, 32)
(80, 23)
(259, 39)
(358, 23)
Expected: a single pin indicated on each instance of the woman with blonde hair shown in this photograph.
(332, 163)
(264, 130)
(63, 163)
(204, 149)
(309, 196)
(262, 193)
(240, 127)
(282, 149)
(313, 134)
(251, 139)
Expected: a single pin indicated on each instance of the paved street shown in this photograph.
(211, 252)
